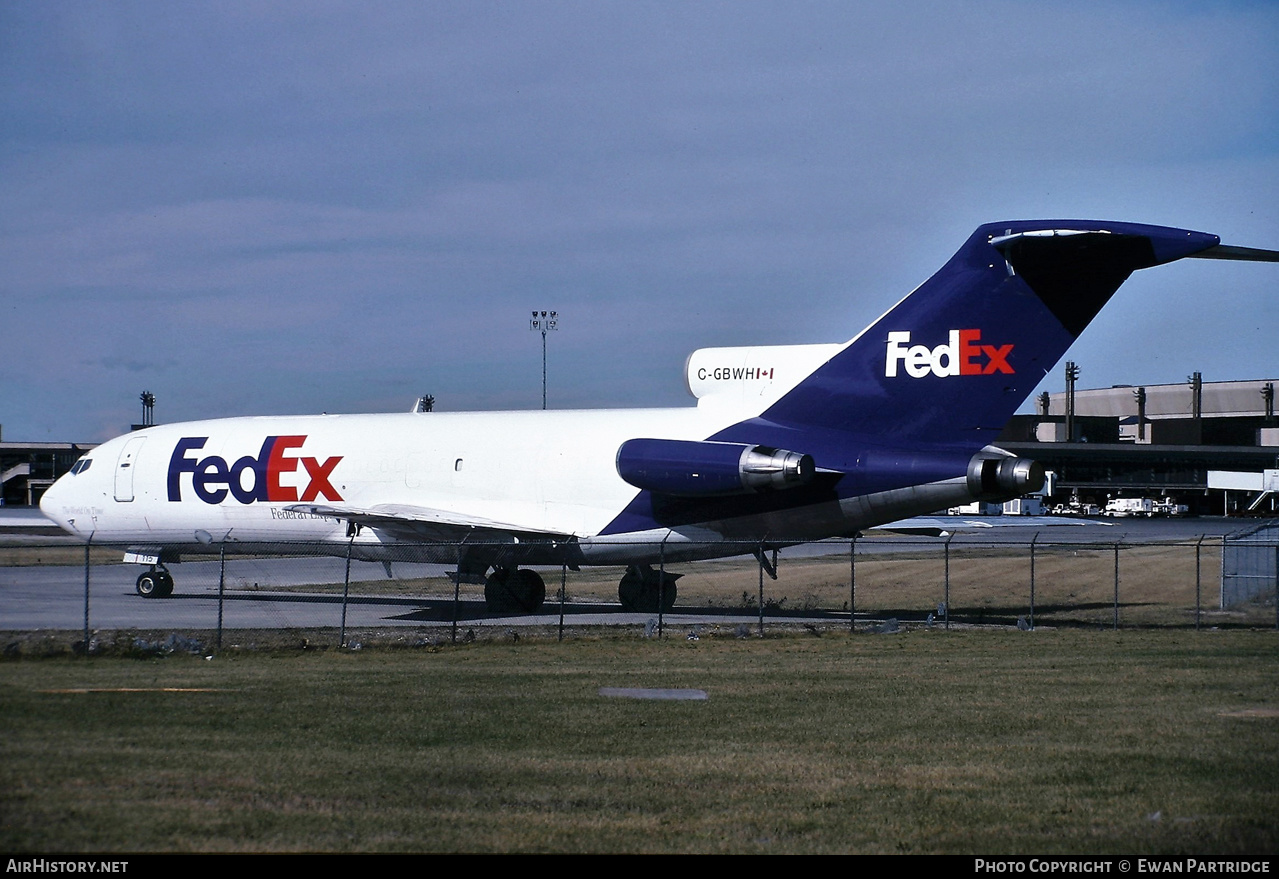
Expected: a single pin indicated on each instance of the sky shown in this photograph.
(278, 208)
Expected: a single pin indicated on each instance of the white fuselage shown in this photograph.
(195, 485)
(539, 472)
(536, 471)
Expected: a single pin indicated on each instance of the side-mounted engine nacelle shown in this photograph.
(698, 469)
(996, 479)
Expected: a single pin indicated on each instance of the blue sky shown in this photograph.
(252, 208)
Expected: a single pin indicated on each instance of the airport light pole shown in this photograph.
(1072, 376)
(148, 408)
(544, 321)
(1196, 382)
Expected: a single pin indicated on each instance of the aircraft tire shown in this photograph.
(149, 584)
(518, 591)
(639, 593)
(155, 584)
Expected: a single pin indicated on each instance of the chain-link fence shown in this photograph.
(1250, 564)
(54, 591)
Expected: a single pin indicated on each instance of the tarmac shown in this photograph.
(36, 597)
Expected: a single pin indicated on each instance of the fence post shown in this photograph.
(1198, 580)
(1277, 585)
(563, 590)
(852, 584)
(1221, 584)
(1033, 541)
(761, 589)
(457, 593)
(346, 591)
(946, 598)
(88, 543)
(1116, 623)
(661, 587)
(221, 587)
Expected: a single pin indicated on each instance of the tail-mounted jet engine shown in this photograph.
(698, 469)
(1004, 478)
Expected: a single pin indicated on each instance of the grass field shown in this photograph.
(976, 741)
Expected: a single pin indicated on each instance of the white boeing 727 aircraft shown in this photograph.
(785, 445)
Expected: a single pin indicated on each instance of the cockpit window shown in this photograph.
(81, 465)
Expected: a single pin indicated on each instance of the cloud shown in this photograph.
(321, 206)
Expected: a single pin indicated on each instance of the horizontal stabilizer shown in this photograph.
(1229, 251)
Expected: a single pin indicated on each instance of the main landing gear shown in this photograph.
(521, 590)
(642, 589)
(155, 583)
(518, 590)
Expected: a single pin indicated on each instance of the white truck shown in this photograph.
(1024, 506)
(1075, 508)
(1129, 506)
(976, 508)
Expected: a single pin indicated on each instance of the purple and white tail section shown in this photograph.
(953, 361)
(914, 397)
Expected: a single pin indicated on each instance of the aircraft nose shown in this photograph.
(53, 501)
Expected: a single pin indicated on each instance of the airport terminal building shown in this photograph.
(27, 469)
(1208, 445)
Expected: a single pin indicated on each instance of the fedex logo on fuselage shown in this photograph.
(961, 355)
(213, 479)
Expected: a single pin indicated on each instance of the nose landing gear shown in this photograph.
(155, 583)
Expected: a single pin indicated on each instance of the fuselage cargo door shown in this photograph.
(125, 466)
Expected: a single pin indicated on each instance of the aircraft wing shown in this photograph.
(941, 526)
(411, 522)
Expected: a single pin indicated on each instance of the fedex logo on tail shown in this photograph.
(961, 355)
(213, 479)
